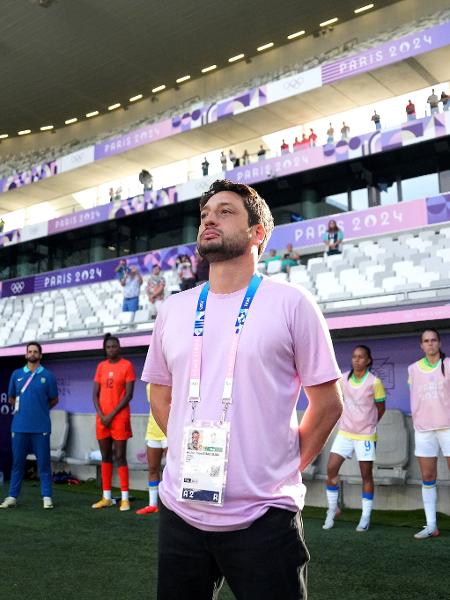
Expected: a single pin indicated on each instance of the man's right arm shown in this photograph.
(160, 399)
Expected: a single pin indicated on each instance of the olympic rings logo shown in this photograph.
(294, 83)
(17, 287)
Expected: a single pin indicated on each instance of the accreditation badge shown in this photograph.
(203, 470)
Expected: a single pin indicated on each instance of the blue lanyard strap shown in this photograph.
(194, 380)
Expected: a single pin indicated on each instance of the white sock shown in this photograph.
(429, 496)
(107, 494)
(332, 497)
(367, 505)
(153, 493)
(125, 495)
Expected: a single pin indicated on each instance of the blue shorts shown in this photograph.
(130, 304)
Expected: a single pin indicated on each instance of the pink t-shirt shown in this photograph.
(284, 343)
(360, 414)
(430, 397)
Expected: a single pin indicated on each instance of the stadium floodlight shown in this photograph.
(70, 121)
(3, 136)
(235, 58)
(94, 113)
(265, 47)
(208, 69)
(297, 34)
(24, 132)
(136, 98)
(159, 88)
(363, 8)
(181, 79)
(114, 106)
(329, 22)
(46, 127)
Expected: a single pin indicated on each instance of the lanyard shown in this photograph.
(197, 345)
(27, 383)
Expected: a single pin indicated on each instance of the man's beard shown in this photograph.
(32, 359)
(223, 249)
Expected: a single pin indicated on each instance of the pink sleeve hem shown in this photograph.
(326, 378)
(156, 379)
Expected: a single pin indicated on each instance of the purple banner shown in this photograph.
(94, 272)
(356, 147)
(365, 223)
(36, 173)
(75, 381)
(438, 209)
(134, 139)
(114, 210)
(391, 52)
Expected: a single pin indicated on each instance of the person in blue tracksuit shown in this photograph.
(32, 393)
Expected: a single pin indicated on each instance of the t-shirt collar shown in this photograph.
(38, 370)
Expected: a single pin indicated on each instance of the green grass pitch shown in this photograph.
(74, 552)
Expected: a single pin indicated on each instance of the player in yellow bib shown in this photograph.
(156, 447)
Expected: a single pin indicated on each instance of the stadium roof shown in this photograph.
(64, 58)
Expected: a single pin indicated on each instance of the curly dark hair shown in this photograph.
(257, 208)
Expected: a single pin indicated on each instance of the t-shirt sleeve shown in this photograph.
(379, 391)
(155, 367)
(314, 353)
(12, 386)
(130, 375)
(52, 386)
(98, 374)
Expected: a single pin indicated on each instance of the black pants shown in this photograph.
(266, 561)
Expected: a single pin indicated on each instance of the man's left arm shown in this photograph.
(323, 412)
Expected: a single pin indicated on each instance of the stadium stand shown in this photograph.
(403, 269)
(16, 163)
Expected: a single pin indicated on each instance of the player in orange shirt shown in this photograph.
(113, 390)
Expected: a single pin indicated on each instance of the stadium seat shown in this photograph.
(81, 439)
(58, 438)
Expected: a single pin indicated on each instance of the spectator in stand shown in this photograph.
(290, 259)
(272, 256)
(429, 384)
(121, 269)
(155, 290)
(223, 161)
(118, 194)
(304, 142)
(205, 167)
(111, 194)
(296, 145)
(433, 101)
(444, 99)
(330, 134)
(245, 158)
(261, 153)
(312, 138)
(131, 283)
(2, 225)
(202, 268)
(376, 120)
(284, 147)
(345, 131)
(333, 238)
(233, 158)
(185, 273)
(410, 111)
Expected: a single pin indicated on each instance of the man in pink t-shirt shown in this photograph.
(255, 532)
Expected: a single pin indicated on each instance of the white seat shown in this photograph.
(274, 266)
